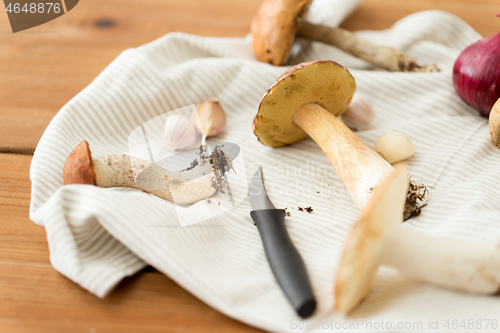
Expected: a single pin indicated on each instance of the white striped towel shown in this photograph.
(98, 236)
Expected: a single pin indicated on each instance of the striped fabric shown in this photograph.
(98, 236)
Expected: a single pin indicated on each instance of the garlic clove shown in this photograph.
(494, 123)
(394, 147)
(209, 118)
(360, 113)
(180, 133)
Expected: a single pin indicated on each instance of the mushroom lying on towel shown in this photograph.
(184, 187)
(305, 100)
(276, 22)
(378, 238)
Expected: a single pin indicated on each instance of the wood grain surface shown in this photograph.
(36, 298)
(44, 67)
(41, 70)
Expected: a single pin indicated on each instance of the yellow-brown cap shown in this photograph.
(323, 82)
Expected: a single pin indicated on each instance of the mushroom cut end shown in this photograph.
(323, 82)
(361, 257)
(79, 168)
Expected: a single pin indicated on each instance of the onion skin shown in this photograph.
(476, 74)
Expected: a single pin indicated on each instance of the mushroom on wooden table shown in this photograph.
(183, 187)
(277, 21)
(305, 100)
(379, 238)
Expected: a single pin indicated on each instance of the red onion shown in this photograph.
(476, 74)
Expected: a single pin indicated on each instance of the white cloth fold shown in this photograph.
(98, 236)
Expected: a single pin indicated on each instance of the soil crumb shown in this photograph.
(415, 200)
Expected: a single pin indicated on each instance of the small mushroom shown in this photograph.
(184, 187)
(276, 21)
(305, 100)
(379, 238)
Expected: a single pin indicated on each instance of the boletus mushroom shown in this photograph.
(379, 238)
(183, 187)
(306, 100)
(276, 23)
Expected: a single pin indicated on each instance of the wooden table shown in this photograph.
(42, 69)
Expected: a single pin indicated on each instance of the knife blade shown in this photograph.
(257, 193)
(285, 261)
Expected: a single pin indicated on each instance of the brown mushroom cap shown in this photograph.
(273, 29)
(361, 257)
(79, 168)
(322, 81)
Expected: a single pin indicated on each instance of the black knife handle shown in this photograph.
(286, 262)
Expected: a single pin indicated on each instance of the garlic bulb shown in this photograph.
(394, 147)
(360, 114)
(209, 118)
(180, 133)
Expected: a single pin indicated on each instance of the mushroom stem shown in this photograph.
(360, 168)
(179, 187)
(379, 238)
(469, 266)
(381, 56)
(183, 187)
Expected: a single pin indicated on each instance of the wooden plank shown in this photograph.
(36, 298)
(44, 67)
(381, 14)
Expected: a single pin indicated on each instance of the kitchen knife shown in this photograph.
(284, 259)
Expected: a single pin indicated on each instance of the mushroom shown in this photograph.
(494, 123)
(184, 187)
(305, 100)
(277, 21)
(379, 238)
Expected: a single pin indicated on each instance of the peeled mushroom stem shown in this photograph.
(359, 167)
(379, 238)
(304, 101)
(451, 263)
(183, 187)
